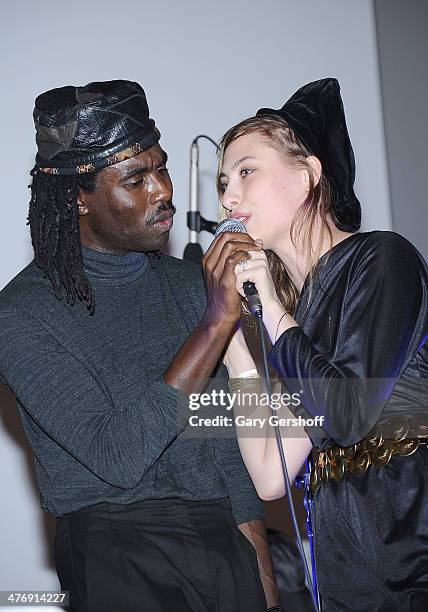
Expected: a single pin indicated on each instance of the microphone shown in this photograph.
(253, 298)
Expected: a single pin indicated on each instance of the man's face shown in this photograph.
(131, 209)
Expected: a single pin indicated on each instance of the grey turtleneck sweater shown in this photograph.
(102, 424)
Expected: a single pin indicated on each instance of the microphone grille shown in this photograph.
(230, 225)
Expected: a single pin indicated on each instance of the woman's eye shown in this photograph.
(246, 171)
(223, 187)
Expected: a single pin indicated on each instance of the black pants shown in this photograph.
(157, 556)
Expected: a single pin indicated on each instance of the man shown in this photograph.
(147, 511)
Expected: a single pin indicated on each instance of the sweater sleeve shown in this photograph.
(62, 394)
(383, 307)
(246, 504)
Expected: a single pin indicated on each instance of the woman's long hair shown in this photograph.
(278, 135)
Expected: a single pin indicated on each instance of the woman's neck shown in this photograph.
(295, 257)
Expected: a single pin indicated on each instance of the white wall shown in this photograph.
(403, 52)
(205, 65)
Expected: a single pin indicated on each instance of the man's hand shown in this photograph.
(225, 252)
(255, 532)
(192, 366)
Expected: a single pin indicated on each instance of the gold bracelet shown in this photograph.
(248, 374)
(239, 384)
(244, 380)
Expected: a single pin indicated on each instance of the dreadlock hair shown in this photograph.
(55, 233)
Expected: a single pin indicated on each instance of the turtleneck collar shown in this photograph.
(113, 267)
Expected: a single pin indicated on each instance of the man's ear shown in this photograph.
(316, 168)
(82, 204)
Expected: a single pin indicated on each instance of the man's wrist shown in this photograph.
(217, 325)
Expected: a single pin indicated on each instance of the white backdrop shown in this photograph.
(205, 65)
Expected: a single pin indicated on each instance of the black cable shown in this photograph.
(265, 379)
(266, 382)
(195, 140)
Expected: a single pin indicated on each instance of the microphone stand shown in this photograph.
(312, 584)
(195, 221)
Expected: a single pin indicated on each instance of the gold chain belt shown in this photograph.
(334, 462)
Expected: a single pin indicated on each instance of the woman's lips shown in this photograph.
(243, 217)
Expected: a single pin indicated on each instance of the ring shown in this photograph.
(243, 264)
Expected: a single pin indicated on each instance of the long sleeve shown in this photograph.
(116, 440)
(381, 320)
(245, 503)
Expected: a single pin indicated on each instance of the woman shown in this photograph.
(346, 313)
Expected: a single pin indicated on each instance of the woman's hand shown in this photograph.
(258, 272)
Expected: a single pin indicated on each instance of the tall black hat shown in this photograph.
(315, 113)
(83, 129)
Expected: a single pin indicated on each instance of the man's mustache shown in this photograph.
(165, 207)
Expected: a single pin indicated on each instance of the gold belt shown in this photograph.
(336, 461)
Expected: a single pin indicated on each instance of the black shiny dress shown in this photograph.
(358, 358)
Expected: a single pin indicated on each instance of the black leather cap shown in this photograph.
(82, 129)
(315, 113)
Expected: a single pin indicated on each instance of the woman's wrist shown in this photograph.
(276, 320)
(238, 358)
(238, 364)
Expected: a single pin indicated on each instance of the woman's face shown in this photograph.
(259, 188)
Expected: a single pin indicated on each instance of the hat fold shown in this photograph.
(315, 114)
(82, 129)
